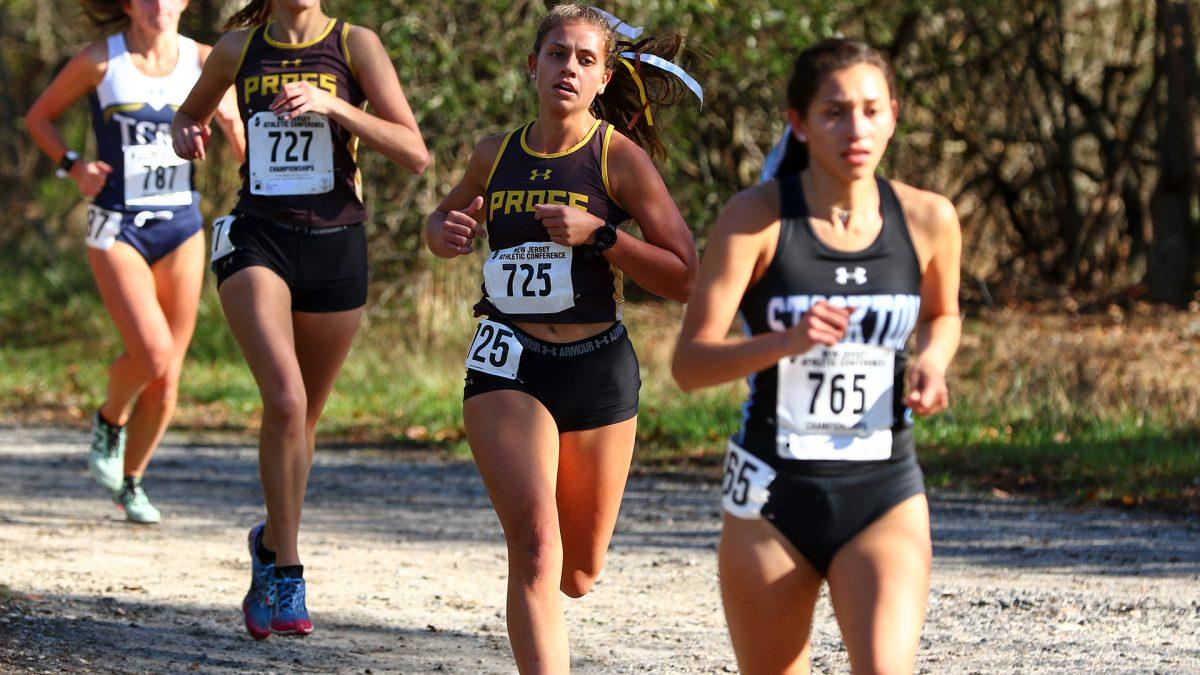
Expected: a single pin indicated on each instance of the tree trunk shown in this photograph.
(1171, 270)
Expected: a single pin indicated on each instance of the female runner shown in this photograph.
(291, 261)
(145, 245)
(831, 268)
(552, 380)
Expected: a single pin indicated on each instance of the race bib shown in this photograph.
(495, 350)
(221, 246)
(836, 403)
(744, 486)
(156, 176)
(290, 157)
(103, 226)
(533, 278)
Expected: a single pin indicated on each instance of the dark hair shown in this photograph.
(106, 13)
(621, 103)
(255, 13)
(810, 69)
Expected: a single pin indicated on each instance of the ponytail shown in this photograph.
(255, 13)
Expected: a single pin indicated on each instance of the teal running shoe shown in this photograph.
(133, 501)
(106, 458)
(259, 600)
(291, 614)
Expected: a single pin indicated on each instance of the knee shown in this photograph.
(284, 410)
(535, 552)
(162, 391)
(156, 360)
(576, 582)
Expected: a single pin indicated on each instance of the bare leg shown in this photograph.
(593, 466)
(257, 304)
(769, 591)
(128, 289)
(879, 585)
(178, 277)
(515, 443)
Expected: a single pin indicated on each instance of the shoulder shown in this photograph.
(485, 154)
(622, 149)
(231, 45)
(89, 64)
(929, 214)
(359, 38)
(754, 210)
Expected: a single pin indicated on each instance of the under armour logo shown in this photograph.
(544, 174)
(294, 63)
(844, 275)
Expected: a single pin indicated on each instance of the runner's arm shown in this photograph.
(189, 128)
(705, 355)
(666, 262)
(939, 326)
(82, 74)
(453, 226)
(227, 116)
(393, 131)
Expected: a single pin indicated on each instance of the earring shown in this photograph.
(802, 138)
(601, 90)
(533, 75)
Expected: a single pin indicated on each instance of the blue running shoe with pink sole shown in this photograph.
(258, 605)
(291, 614)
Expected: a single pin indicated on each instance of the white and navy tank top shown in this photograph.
(838, 406)
(131, 117)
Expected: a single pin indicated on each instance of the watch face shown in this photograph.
(606, 236)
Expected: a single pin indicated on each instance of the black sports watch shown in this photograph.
(66, 163)
(606, 237)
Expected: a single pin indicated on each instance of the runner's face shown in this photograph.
(850, 121)
(155, 16)
(570, 68)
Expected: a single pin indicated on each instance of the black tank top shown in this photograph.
(304, 172)
(526, 276)
(834, 410)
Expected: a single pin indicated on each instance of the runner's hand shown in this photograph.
(188, 140)
(460, 228)
(297, 98)
(927, 393)
(567, 225)
(90, 177)
(824, 324)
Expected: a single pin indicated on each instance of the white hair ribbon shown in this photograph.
(775, 156)
(659, 62)
(622, 28)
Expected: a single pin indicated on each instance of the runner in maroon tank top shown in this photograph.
(552, 381)
(291, 260)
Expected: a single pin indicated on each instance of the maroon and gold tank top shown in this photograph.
(300, 172)
(526, 276)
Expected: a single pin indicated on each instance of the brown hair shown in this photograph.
(621, 103)
(106, 13)
(255, 13)
(810, 69)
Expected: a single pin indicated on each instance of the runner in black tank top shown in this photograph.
(831, 269)
(143, 224)
(291, 260)
(551, 395)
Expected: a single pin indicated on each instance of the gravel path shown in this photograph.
(406, 570)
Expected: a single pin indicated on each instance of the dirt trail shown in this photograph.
(406, 570)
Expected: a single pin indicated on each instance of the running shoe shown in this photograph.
(291, 615)
(133, 501)
(106, 458)
(256, 606)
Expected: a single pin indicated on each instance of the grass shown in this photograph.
(1101, 408)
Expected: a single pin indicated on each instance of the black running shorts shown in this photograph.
(325, 268)
(586, 384)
